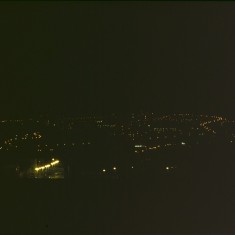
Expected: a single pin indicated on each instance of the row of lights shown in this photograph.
(114, 168)
(54, 162)
(156, 147)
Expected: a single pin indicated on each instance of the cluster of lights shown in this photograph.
(106, 125)
(3, 121)
(54, 162)
(154, 147)
(214, 120)
(140, 146)
(176, 117)
(204, 119)
(163, 129)
(134, 134)
(159, 146)
(51, 148)
(35, 135)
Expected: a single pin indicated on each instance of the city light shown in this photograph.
(139, 146)
(47, 165)
(55, 162)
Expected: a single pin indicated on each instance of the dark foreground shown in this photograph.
(198, 199)
(114, 208)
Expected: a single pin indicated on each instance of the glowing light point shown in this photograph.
(104, 170)
(167, 168)
(114, 168)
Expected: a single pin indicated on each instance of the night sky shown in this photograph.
(72, 58)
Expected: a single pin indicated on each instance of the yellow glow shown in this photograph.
(55, 162)
(47, 165)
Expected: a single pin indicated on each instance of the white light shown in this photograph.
(104, 170)
(132, 167)
(114, 168)
(183, 143)
(167, 168)
(139, 146)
